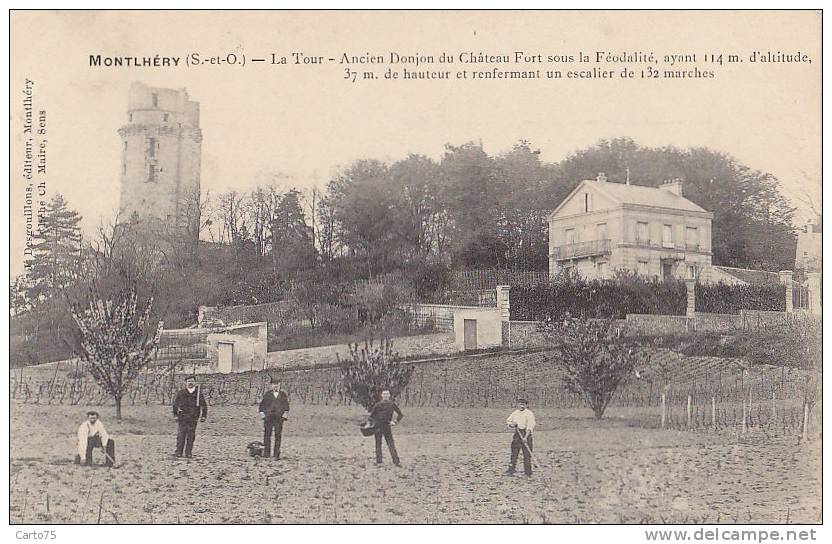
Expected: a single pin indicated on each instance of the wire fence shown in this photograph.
(692, 393)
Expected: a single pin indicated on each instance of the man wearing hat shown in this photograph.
(91, 435)
(522, 421)
(188, 404)
(273, 410)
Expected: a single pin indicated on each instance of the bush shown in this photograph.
(429, 280)
(375, 301)
(370, 370)
(594, 359)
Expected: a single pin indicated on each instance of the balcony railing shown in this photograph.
(581, 249)
(640, 242)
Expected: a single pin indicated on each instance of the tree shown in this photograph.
(522, 218)
(370, 370)
(418, 212)
(363, 202)
(291, 238)
(472, 189)
(115, 341)
(19, 301)
(56, 254)
(594, 358)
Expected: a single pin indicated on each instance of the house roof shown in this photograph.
(634, 194)
(751, 277)
(643, 195)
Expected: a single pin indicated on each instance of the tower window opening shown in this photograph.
(151, 173)
(151, 147)
(155, 98)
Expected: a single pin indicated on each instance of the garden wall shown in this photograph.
(438, 316)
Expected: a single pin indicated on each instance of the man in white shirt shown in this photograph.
(91, 435)
(522, 421)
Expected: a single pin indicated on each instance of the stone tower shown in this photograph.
(160, 161)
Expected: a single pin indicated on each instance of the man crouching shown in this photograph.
(91, 435)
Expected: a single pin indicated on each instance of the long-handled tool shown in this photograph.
(107, 455)
(535, 464)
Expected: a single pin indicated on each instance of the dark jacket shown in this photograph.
(382, 412)
(274, 407)
(185, 405)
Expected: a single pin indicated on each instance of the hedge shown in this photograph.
(628, 294)
(719, 298)
(612, 298)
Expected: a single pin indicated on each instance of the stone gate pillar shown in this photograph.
(786, 277)
(814, 293)
(690, 286)
(504, 306)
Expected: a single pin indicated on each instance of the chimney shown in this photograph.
(673, 185)
(602, 177)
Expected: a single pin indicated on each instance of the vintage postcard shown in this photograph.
(417, 267)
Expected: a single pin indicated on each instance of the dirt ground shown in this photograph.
(616, 470)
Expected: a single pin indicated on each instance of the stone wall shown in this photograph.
(524, 334)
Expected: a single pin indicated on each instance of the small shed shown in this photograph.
(478, 328)
(239, 348)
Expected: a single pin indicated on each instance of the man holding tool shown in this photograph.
(91, 435)
(522, 421)
(187, 406)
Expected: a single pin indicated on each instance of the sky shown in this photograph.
(306, 121)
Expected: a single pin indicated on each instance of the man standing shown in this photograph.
(382, 416)
(187, 406)
(522, 421)
(92, 434)
(273, 410)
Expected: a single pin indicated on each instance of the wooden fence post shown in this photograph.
(663, 409)
(713, 412)
(743, 416)
(689, 400)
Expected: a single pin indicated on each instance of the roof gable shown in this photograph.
(601, 199)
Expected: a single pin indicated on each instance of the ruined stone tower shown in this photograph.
(160, 161)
